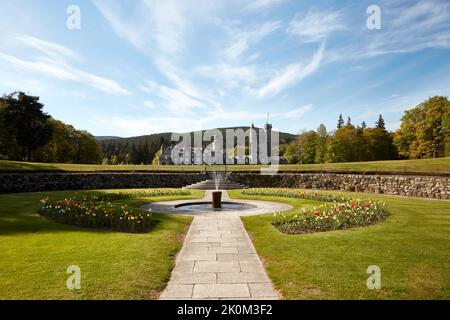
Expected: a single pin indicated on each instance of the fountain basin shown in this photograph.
(207, 207)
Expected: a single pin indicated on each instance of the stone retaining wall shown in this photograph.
(414, 186)
(437, 187)
(33, 182)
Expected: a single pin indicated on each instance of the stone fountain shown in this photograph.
(216, 195)
(217, 200)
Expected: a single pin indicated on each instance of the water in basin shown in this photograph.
(206, 206)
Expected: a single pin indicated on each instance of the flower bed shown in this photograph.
(343, 213)
(142, 193)
(338, 216)
(96, 210)
(295, 193)
(90, 212)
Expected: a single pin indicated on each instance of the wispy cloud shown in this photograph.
(242, 40)
(317, 25)
(133, 126)
(419, 26)
(50, 49)
(230, 76)
(158, 29)
(296, 113)
(174, 100)
(169, 24)
(132, 28)
(291, 75)
(56, 64)
(149, 104)
(260, 5)
(406, 27)
(151, 24)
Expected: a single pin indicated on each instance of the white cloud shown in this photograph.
(261, 5)
(180, 80)
(169, 24)
(291, 75)
(419, 26)
(158, 29)
(230, 72)
(406, 28)
(316, 25)
(229, 76)
(149, 104)
(174, 100)
(131, 126)
(65, 72)
(131, 29)
(296, 113)
(163, 22)
(243, 39)
(254, 56)
(50, 49)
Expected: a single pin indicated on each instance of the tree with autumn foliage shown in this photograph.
(425, 130)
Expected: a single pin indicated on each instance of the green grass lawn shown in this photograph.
(412, 248)
(35, 254)
(439, 166)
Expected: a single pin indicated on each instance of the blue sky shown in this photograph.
(138, 67)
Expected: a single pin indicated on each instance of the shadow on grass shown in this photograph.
(36, 224)
(19, 215)
(29, 167)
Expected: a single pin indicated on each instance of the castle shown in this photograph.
(195, 154)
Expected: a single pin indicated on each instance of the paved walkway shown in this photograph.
(218, 261)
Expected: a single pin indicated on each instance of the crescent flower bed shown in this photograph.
(343, 213)
(97, 211)
(142, 193)
(296, 193)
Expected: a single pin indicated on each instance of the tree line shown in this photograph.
(130, 151)
(29, 134)
(424, 133)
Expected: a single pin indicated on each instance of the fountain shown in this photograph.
(216, 195)
(217, 200)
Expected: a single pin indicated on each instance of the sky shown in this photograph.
(136, 67)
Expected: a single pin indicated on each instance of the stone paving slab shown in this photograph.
(218, 261)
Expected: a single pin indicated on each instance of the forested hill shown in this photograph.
(142, 149)
(107, 138)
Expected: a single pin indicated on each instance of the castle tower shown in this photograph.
(252, 143)
(268, 128)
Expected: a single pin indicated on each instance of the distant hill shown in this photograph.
(107, 138)
(142, 149)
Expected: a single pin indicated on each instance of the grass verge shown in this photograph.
(35, 253)
(430, 166)
(411, 247)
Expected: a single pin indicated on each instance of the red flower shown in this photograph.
(317, 213)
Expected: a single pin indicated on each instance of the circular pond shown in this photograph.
(206, 206)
